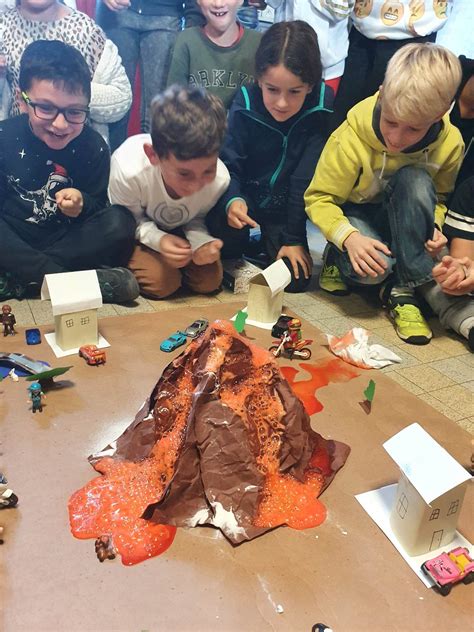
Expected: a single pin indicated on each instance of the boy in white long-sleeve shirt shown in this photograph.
(169, 181)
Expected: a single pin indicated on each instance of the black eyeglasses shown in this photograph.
(48, 112)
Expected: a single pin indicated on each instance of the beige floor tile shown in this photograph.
(166, 304)
(346, 305)
(139, 306)
(107, 310)
(226, 296)
(450, 345)
(446, 410)
(468, 424)
(374, 320)
(41, 311)
(469, 385)
(454, 369)
(467, 358)
(427, 378)
(407, 385)
(302, 300)
(198, 300)
(407, 358)
(424, 353)
(458, 398)
(337, 326)
(318, 310)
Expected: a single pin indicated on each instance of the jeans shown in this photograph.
(146, 40)
(451, 310)
(404, 221)
(106, 238)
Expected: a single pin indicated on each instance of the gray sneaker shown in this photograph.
(117, 285)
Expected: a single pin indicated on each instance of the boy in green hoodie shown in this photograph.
(379, 190)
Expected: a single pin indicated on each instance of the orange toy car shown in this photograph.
(92, 355)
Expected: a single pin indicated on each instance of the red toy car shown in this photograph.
(450, 568)
(92, 355)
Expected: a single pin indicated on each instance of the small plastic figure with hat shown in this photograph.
(8, 321)
(294, 332)
(36, 397)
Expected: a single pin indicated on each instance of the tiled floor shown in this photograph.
(441, 373)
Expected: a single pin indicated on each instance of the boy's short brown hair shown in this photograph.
(421, 82)
(187, 122)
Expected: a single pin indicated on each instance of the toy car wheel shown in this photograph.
(469, 578)
(274, 351)
(305, 353)
(445, 590)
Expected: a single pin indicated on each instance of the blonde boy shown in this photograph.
(169, 181)
(379, 190)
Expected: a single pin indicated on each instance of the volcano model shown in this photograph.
(223, 441)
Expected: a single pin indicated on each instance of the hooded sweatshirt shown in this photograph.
(355, 166)
(271, 163)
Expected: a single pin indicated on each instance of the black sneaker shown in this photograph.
(10, 287)
(117, 285)
(470, 339)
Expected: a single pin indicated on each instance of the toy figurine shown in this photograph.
(8, 321)
(291, 343)
(7, 497)
(36, 396)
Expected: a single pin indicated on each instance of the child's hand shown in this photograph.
(297, 255)
(69, 202)
(117, 5)
(208, 253)
(364, 254)
(435, 245)
(237, 216)
(175, 250)
(455, 276)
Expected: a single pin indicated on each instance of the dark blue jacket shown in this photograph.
(271, 164)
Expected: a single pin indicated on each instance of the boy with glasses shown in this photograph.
(54, 171)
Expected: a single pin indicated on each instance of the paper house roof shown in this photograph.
(277, 277)
(430, 468)
(72, 291)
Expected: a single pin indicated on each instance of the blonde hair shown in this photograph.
(421, 82)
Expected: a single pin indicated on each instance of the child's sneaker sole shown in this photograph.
(410, 325)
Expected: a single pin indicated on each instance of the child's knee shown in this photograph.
(203, 279)
(417, 182)
(156, 279)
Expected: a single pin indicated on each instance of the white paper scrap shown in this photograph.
(378, 504)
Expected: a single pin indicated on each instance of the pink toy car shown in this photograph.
(450, 568)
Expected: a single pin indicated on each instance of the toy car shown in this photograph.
(33, 336)
(450, 568)
(173, 342)
(92, 355)
(196, 328)
(281, 326)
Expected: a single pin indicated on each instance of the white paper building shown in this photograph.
(430, 491)
(75, 299)
(265, 298)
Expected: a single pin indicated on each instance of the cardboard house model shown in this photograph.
(265, 298)
(75, 299)
(430, 491)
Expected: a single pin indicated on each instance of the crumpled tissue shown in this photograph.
(354, 348)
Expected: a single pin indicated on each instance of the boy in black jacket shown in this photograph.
(54, 172)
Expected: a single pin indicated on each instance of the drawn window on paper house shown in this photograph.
(435, 514)
(85, 320)
(453, 507)
(70, 322)
(402, 506)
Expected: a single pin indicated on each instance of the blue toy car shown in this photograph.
(33, 336)
(173, 342)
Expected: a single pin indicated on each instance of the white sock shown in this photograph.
(400, 290)
(466, 326)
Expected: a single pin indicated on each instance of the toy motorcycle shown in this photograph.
(290, 349)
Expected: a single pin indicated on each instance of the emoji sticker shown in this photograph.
(363, 8)
(391, 13)
(441, 9)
